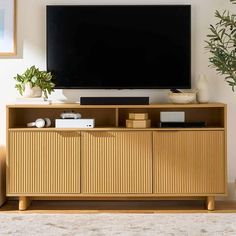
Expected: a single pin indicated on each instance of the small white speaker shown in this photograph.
(172, 116)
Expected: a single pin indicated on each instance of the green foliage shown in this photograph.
(35, 77)
(221, 44)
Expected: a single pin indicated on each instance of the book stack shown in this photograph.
(138, 120)
(40, 100)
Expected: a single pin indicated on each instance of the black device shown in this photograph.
(114, 100)
(119, 46)
(175, 91)
(194, 124)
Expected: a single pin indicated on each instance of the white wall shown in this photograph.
(31, 41)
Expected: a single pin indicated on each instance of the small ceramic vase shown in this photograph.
(202, 89)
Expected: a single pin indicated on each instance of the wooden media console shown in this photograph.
(113, 162)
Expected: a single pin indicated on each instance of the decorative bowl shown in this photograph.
(183, 98)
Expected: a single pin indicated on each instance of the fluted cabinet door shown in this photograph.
(116, 162)
(45, 162)
(188, 162)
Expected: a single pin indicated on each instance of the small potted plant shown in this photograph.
(33, 82)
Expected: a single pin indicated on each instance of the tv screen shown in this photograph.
(119, 47)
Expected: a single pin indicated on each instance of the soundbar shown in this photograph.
(197, 124)
(114, 100)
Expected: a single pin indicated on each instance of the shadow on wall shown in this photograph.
(73, 95)
(2, 174)
(70, 95)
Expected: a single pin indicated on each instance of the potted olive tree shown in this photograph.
(221, 44)
(33, 82)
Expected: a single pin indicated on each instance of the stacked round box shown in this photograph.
(138, 120)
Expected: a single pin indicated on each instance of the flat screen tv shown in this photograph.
(119, 46)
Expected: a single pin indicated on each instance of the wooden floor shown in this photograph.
(78, 207)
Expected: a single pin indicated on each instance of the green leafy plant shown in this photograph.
(36, 78)
(221, 44)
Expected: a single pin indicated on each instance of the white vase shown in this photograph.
(202, 89)
(32, 92)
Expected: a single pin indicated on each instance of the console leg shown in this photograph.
(24, 203)
(210, 203)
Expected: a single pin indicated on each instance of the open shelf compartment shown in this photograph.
(114, 117)
(214, 116)
(19, 117)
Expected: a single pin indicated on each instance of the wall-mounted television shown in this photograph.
(119, 46)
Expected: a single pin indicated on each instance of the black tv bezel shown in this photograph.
(188, 85)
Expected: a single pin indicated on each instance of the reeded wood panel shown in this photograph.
(44, 162)
(189, 162)
(117, 162)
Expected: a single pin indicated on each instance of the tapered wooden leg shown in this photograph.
(210, 203)
(24, 203)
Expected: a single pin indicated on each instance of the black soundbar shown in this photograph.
(114, 100)
(195, 124)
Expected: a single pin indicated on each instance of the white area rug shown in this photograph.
(118, 224)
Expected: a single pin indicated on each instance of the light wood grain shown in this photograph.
(114, 129)
(24, 203)
(118, 196)
(224, 121)
(157, 105)
(116, 162)
(115, 116)
(189, 162)
(19, 117)
(44, 162)
(210, 203)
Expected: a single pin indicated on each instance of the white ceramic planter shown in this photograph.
(32, 92)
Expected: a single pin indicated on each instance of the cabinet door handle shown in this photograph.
(165, 131)
(100, 134)
(69, 133)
